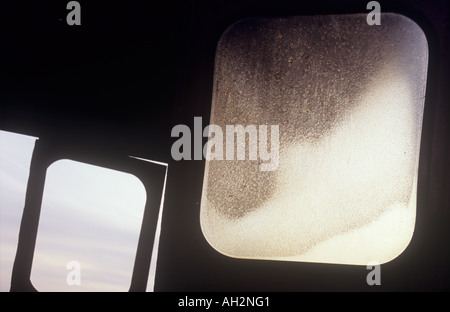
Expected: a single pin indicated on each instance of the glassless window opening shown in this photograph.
(89, 228)
(348, 98)
(15, 157)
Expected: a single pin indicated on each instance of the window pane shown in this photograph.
(88, 228)
(348, 99)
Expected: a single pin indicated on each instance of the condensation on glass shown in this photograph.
(349, 100)
(89, 228)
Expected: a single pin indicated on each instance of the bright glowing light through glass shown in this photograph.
(348, 98)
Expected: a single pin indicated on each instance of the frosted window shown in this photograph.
(348, 99)
(89, 228)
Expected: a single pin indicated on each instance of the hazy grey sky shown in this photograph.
(91, 215)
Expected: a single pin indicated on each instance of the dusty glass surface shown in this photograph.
(89, 228)
(348, 98)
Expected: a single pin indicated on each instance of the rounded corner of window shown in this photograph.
(57, 162)
(231, 26)
(401, 251)
(413, 23)
(211, 242)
